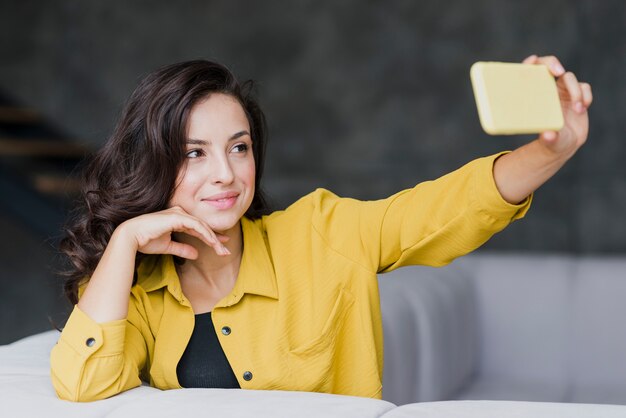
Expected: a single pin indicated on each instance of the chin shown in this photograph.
(223, 226)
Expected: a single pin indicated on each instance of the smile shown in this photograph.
(222, 201)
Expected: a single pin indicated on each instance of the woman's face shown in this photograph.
(216, 182)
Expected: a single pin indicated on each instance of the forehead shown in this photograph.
(216, 117)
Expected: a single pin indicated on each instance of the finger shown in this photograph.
(204, 236)
(208, 237)
(199, 229)
(219, 248)
(177, 209)
(181, 250)
(553, 64)
(548, 136)
(222, 238)
(219, 237)
(530, 60)
(574, 91)
(194, 227)
(587, 94)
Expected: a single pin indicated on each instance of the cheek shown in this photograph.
(245, 171)
(185, 189)
(251, 175)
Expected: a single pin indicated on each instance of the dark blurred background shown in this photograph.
(363, 98)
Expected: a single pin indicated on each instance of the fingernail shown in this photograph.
(530, 58)
(549, 135)
(225, 250)
(558, 68)
(580, 108)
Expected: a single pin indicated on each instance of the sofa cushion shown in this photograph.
(499, 409)
(26, 391)
(511, 389)
(251, 403)
(28, 356)
(33, 396)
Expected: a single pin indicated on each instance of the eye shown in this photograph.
(194, 153)
(240, 148)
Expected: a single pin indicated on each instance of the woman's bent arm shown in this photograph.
(103, 346)
(106, 296)
(100, 352)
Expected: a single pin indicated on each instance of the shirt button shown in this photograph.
(90, 342)
(247, 376)
(226, 330)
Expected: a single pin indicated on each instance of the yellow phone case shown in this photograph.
(516, 98)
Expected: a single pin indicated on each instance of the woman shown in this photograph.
(185, 280)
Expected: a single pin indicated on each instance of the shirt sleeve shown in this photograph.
(94, 361)
(431, 224)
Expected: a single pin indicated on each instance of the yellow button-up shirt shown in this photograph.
(304, 313)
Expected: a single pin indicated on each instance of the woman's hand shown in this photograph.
(152, 233)
(107, 293)
(521, 172)
(575, 99)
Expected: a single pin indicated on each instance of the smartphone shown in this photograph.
(516, 98)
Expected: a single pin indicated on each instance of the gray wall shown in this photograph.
(363, 98)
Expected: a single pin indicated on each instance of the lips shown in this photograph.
(222, 201)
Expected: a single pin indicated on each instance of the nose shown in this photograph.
(221, 171)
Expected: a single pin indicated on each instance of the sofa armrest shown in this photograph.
(429, 324)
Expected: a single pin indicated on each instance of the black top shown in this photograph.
(204, 364)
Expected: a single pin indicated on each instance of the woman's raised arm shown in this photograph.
(521, 172)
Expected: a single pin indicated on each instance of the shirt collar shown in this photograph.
(155, 272)
(256, 272)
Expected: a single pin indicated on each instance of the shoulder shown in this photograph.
(300, 216)
(311, 201)
(324, 213)
(315, 203)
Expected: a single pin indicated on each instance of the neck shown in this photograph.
(218, 271)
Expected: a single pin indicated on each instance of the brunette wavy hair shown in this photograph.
(135, 171)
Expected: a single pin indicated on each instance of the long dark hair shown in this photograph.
(135, 171)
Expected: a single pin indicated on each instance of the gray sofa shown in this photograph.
(491, 335)
(507, 327)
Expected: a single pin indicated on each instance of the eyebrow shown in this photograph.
(192, 141)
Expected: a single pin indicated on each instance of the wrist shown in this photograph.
(123, 236)
(556, 149)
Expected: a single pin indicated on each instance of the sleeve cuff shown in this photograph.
(488, 197)
(88, 337)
